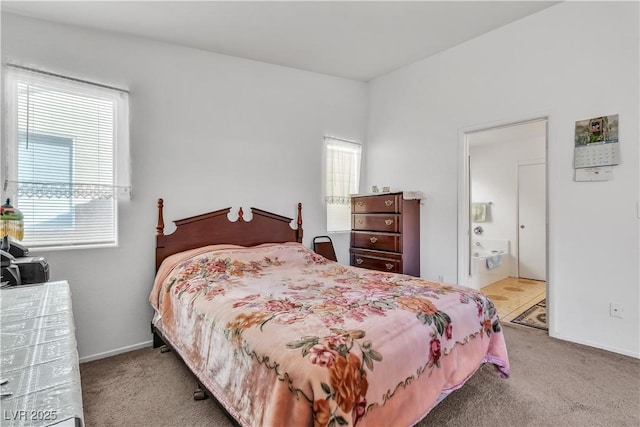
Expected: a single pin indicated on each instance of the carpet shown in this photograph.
(535, 317)
(553, 383)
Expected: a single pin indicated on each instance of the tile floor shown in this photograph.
(512, 296)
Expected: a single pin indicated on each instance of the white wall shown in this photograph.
(493, 174)
(207, 132)
(570, 62)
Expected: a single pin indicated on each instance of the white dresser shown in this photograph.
(38, 357)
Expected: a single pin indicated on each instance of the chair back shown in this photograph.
(322, 245)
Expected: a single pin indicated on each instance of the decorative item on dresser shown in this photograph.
(385, 232)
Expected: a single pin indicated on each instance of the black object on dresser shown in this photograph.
(20, 269)
(385, 233)
(23, 270)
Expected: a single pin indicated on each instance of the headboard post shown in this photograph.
(160, 224)
(299, 222)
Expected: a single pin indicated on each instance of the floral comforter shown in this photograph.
(283, 336)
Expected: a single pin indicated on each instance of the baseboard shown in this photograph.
(596, 345)
(115, 352)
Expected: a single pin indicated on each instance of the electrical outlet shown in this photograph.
(440, 278)
(616, 310)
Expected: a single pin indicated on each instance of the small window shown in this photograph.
(342, 166)
(67, 158)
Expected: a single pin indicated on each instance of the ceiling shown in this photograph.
(353, 39)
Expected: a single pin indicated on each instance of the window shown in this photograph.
(66, 158)
(342, 165)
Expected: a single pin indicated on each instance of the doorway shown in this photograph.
(504, 218)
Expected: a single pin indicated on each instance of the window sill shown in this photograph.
(71, 247)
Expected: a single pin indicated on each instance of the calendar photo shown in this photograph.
(597, 130)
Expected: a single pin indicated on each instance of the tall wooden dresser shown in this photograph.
(385, 233)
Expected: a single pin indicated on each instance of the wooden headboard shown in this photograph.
(215, 228)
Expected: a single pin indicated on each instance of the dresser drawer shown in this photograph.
(376, 204)
(373, 262)
(379, 241)
(376, 222)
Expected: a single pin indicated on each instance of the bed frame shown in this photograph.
(215, 228)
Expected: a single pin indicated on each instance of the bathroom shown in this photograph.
(508, 210)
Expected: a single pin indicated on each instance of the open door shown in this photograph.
(532, 244)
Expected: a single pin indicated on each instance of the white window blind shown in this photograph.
(342, 164)
(67, 158)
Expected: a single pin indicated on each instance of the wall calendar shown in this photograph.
(596, 145)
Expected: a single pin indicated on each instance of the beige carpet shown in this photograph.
(553, 383)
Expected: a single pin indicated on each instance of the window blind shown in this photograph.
(62, 159)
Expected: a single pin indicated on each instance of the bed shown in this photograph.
(280, 335)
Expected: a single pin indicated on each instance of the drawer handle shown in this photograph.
(359, 261)
(388, 202)
(359, 204)
(373, 239)
(360, 222)
(388, 221)
(389, 266)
